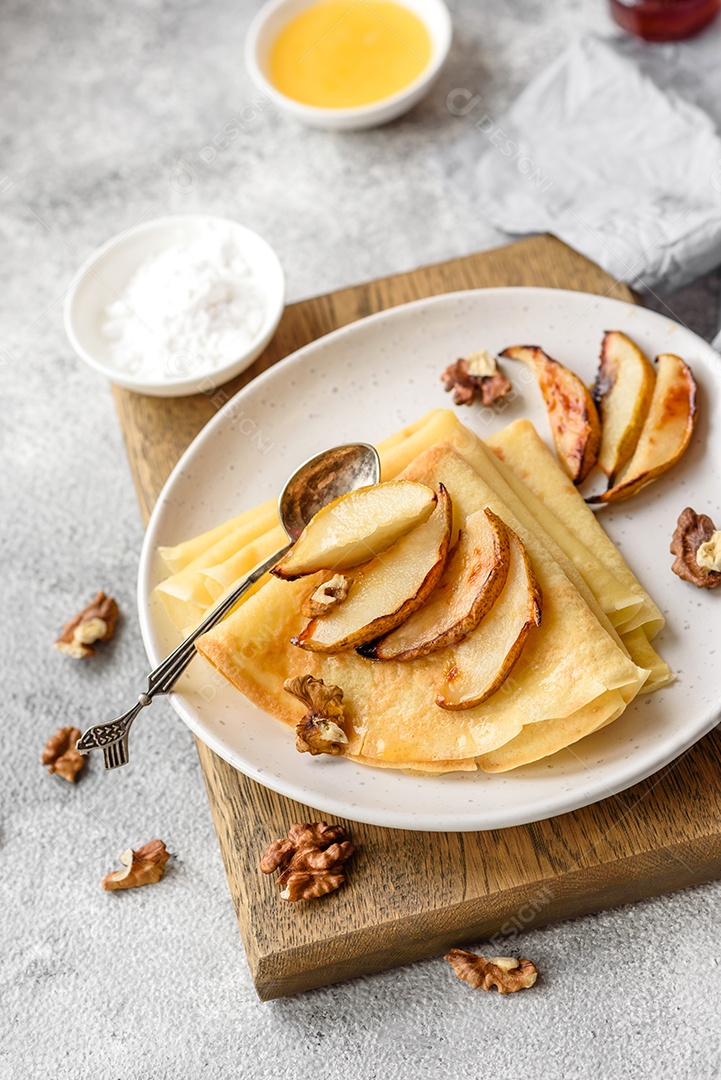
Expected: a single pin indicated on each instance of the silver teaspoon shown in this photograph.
(316, 483)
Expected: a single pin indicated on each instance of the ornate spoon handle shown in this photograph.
(112, 737)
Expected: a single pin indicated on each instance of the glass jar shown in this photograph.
(664, 20)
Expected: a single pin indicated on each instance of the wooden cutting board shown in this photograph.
(411, 895)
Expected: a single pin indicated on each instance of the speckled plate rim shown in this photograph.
(642, 761)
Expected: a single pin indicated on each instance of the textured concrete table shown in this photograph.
(113, 114)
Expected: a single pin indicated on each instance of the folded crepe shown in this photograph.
(522, 449)
(522, 480)
(573, 668)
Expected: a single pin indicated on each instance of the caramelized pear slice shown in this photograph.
(622, 392)
(481, 663)
(388, 589)
(472, 581)
(572, 415)
(357, 527)
(666, 432)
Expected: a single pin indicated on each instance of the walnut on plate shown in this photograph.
(696, 544)
(60, 754)
(94, 623)
(142, 867)
(319, 731)
(476, 376)
(326, 596)
(504, 972)
(310, 859)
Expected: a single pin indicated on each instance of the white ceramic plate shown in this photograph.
(365, 381)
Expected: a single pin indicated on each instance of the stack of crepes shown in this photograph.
(578, 671)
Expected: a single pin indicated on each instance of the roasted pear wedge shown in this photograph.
(388, 589)
(666, 432)
(481, 663)
(356, 527)
(622, 392)
(572, 414)
(472, 581)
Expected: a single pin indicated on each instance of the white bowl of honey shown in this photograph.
(347, 64)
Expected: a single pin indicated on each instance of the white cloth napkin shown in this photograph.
(595, 152)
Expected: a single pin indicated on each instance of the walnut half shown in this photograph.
(326, 596)
(319, 731)
(94, 623)
(476, 376)
(695, 539)
(142, 867)
(311, 860)
(504, 972)
(60, 754)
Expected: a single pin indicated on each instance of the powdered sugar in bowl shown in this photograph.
(176, 306)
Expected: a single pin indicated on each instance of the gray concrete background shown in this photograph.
(100, 102)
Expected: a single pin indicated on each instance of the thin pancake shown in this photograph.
(643, 653)
(566, 665)
(179, 556)
(534, 742)
(520, 446)
(537, 741)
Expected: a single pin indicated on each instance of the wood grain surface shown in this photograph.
(411, 895)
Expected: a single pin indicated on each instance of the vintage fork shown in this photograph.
(112, 737)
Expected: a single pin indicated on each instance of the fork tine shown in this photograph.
(116, 754)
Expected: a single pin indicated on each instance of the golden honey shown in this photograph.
(340, 54)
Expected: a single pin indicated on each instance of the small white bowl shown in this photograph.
(109, 269)
(274, 15)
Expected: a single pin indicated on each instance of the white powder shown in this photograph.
(188, 311)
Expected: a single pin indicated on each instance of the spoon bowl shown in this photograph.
(324, 478)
